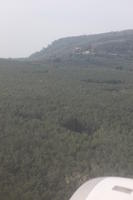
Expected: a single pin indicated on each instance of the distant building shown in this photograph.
(77, 50)
(86, 52)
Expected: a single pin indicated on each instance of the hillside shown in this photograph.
(105, 44)
(63, 121)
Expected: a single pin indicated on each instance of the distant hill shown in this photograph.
(106, 44)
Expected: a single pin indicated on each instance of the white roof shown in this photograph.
(107, 188)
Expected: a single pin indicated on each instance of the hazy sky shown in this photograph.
(28, 25)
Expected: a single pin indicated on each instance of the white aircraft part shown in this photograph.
(108, 188)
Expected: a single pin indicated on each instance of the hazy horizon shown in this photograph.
(28, 26)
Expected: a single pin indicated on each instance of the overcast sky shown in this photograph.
(28, 25)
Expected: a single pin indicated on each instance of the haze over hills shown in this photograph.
(105, 44)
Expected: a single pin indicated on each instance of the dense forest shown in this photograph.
(62, 123)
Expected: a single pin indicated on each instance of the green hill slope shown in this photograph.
(62, 120)
(113, 43)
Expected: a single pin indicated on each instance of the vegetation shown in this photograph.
(62, 123)
(116, 44)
